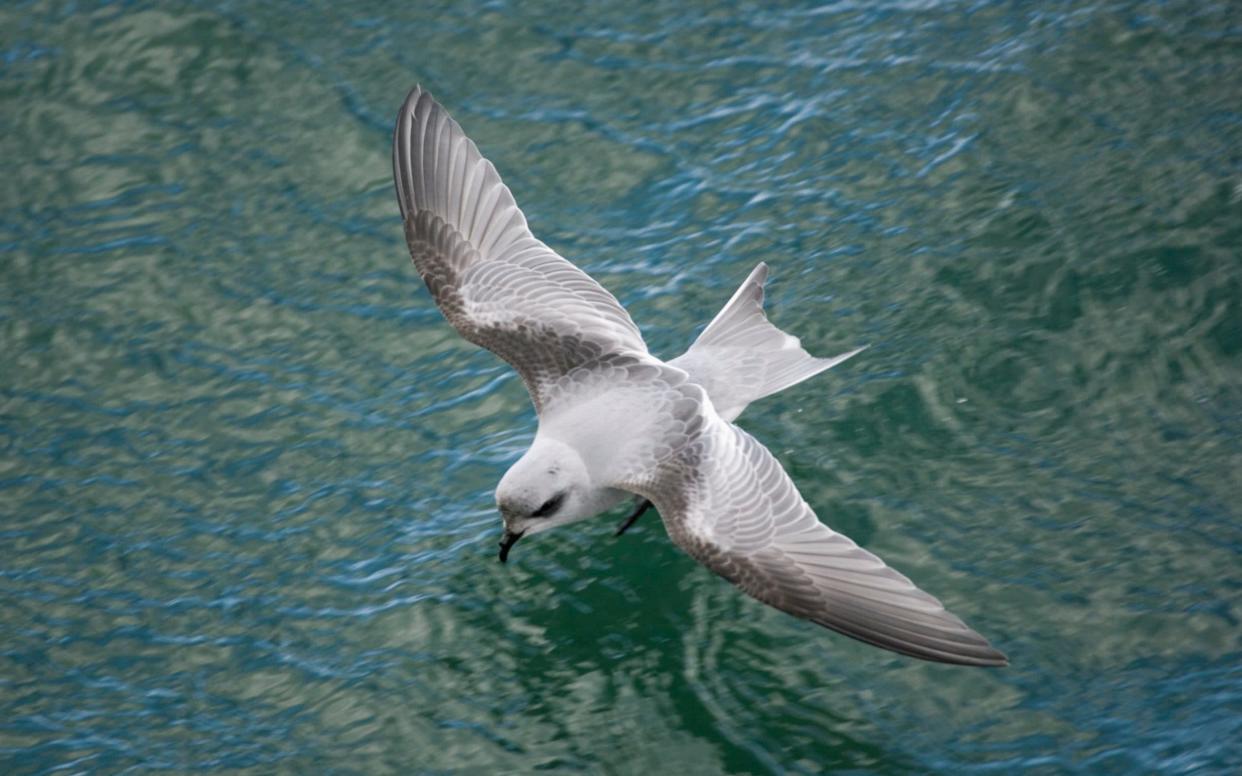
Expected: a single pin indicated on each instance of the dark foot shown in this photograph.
(637, 513)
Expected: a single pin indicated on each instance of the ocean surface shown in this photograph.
(246, 468)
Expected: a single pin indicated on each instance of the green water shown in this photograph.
(246, 470)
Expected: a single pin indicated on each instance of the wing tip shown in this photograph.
(988, 658)
(414, 95)
(1000, 658)
(981, 655)
(410, 104)
(967, 648)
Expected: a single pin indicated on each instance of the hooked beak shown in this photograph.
(506, 543)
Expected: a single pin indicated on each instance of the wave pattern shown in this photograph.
(246, 470)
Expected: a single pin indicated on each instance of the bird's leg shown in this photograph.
(643, 506)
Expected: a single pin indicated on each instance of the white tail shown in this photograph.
(741, 356)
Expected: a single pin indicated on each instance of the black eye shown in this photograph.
(549, 506)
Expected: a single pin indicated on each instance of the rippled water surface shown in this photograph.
(246, 469)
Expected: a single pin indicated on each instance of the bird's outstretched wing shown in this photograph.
(500, 287)
(728, 502)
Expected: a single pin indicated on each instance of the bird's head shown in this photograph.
(547, 487)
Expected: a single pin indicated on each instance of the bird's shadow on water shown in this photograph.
(639, 613)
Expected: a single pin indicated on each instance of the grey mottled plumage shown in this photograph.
(616, 422)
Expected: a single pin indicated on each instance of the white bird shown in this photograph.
(615, 422)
